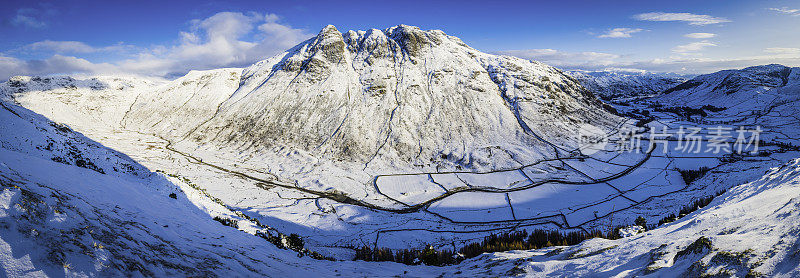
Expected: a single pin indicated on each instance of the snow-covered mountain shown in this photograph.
(398, 98)
(729, 88)
(398, 138)
(615, 84)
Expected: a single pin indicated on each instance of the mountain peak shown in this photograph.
(411, 38)
(328, 29)
(766, 68)
(330, 42)
(403, 29)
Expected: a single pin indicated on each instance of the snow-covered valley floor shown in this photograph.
(120, 223)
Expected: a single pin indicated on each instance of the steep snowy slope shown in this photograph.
(176, 108)
(615, 84)
(96, 103)
(34, 135)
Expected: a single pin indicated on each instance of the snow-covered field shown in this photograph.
(396, 138)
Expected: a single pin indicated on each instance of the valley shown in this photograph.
(409, 139)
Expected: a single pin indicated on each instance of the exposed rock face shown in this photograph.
(398, 97)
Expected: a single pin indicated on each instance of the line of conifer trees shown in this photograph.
(515, 240)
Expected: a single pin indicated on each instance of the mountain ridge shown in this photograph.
(620, 84)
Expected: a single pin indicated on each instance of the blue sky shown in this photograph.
(168, 38)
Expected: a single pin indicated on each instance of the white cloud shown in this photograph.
(786, 10)
(10, 66)
(700, 35)
(705, 65)
(220, 41)
(62, 47)
(32, 17)
(692, 19)
(620, 33)
(692, 47)
(566, 59)
(627, 70)
(226, 39)
(783, 50)
(27, 17)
